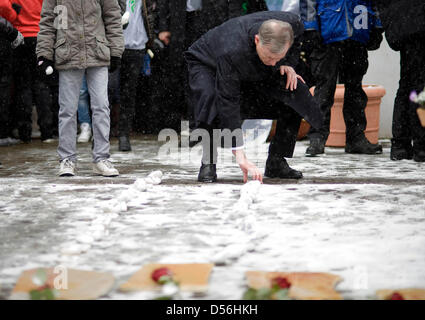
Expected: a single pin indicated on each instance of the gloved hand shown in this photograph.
(115, 64)
(375, 39)
(157, 47)
(17, 8)
(45, 66)
(18, 41)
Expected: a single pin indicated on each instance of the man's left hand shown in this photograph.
(291, 77)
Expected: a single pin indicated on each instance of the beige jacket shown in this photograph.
(79, 34)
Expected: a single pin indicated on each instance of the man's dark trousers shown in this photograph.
(406, 124)
(5, 80)
(31, 89)
(131, 64)
(267, 99)
(346, 61)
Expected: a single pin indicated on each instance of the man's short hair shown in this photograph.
(276, 34)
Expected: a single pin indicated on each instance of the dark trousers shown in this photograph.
(195, 28)
(31, 89)
(348, 62)
(406, 126)
(131, 63)
(5, 80)
(259, 100)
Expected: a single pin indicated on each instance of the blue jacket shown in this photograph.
(339, 20)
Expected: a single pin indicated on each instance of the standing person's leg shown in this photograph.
(84, 114)
(23, 78)
(69, 89)
(131, 64)
(354, 66)
(324, 66)
(41, 94)
(401, 142)
(114, 100)
(97, 83)
(413, 75)
(5, 80)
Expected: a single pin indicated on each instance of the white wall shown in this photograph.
(384, 69)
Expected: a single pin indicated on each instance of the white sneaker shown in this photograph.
(49, 140)
(67, 168)
(105, 168)
(85, 133)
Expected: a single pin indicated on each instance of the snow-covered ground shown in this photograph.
(357, 216)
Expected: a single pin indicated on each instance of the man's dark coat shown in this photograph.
(402, 20)
(229, 54)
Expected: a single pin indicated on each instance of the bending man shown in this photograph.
(245, 69)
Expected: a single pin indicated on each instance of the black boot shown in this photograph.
(317, 146)
(277, 167)
(418, 151)
(401, 150)
(124, 143)
(419, 156)
(207, 173)
(361, 145)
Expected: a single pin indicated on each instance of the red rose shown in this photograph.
(160, 272)
(396, 296)
(281, 282)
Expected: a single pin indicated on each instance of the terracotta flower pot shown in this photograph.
(302, 131)
(304, 128)
(337, 127)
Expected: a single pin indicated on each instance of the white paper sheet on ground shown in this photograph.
(256, 131)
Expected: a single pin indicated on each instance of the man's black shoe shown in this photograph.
(317, 146)
(419, 156)
(362, 146)
(124, 143)
(207, 173)
(279, 168)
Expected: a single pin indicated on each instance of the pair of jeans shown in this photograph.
(84, 104)
(70, 82)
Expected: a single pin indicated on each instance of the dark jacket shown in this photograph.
(172, 17)
(7, 31)
(402, 20)
(234, 59)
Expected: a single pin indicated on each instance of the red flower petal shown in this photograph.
(160, 272)
(396, 296)
(282, 282)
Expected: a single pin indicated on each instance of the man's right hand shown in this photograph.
(247, 167)
(165, 36)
